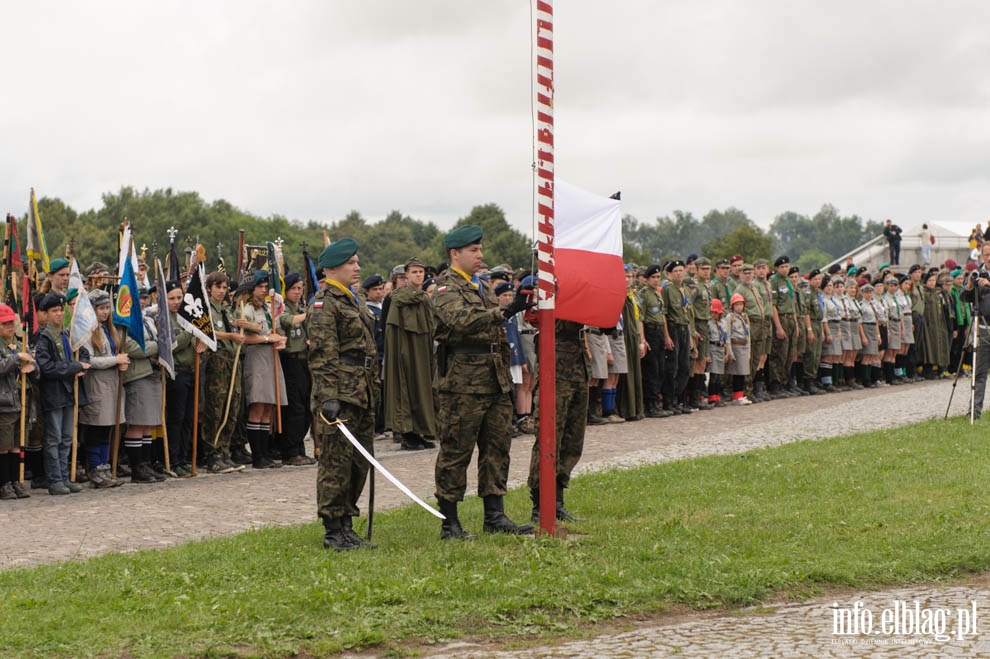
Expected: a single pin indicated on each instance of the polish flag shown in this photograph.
(591, 279)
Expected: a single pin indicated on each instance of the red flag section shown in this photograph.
(591, 281)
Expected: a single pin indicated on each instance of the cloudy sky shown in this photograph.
(311, 109)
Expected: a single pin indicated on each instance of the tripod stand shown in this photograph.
(973, 339)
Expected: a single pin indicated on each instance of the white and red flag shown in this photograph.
(591, 280)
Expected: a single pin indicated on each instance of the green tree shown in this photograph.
(746, 239)
(811, 259)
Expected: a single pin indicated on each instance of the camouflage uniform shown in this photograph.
(572, 404)
(217, 369)
(343, 361)
(473, 388)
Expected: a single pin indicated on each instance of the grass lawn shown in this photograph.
(870, 510)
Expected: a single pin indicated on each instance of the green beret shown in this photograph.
(58, 264)
(337, 253)
(71, 294)
(462, 237)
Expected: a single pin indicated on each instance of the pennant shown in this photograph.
(312, 280)
(173, 263)
(84, 317)
(194, 312)
(37, 250)
(163, 323)
(276, 285)
(126, 238)
(591, 282)
(127, 306)
(29, 318)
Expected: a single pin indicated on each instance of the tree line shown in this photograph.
(809, 241)
(385, 243)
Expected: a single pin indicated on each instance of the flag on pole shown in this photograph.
(127, 307)
(166, 333)
(84, 317)
(276, 284)
(194, 312)
(173, 263)
(591, 281)
(126, 238)
(36, 248)
(312, 280)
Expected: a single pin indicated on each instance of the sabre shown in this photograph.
(380, 469)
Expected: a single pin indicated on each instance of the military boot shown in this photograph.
(595, 407)
(334, 537)
(562, 513)
(497, 522)
(450, 528)
(347, 526)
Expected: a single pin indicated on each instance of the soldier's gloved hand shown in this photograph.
(330, 409)
(519, 303)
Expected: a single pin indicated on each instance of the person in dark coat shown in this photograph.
(58, 370)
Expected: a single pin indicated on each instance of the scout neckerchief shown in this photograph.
(337, 284)
(635, 306)
(821, 302)
(113, 344)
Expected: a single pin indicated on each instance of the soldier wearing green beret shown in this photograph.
(473, 387)
(343, 361)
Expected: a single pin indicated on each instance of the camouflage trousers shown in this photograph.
(466, 420)
(342, 470)
(216, 373)
(572, 419)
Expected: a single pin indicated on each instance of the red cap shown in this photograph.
(6, 314)
(717, 306)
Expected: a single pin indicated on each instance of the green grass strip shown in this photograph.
(871, 510)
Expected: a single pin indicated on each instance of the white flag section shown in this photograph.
(83, 317)
(127, 239)
(591, 280)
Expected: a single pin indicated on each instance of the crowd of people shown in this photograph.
(447, 354)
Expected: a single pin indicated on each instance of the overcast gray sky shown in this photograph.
(311, 109)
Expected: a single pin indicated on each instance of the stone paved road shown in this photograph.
(46, 529)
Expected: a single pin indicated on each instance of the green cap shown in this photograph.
(338, 252)
(71, 294)
(462, 237)
(58, 264)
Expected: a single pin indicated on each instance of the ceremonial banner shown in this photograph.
(127, 306)
(194, 312)
(591, 280)
(166, 333)
(36, 248)
(312, 281)
(84, 317)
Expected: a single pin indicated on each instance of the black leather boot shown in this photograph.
(334, 537)
(497, 522)
(562, 514)
(450, 528)
(347, 526)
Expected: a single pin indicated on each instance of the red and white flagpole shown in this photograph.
(545, 250)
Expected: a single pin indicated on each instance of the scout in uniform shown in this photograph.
(784, 325)
(654, 331)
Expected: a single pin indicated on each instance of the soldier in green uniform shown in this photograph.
(784, 326)
(343, 361)
(573, 370)
(802, 321)
(296, 417)
(473, 386)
